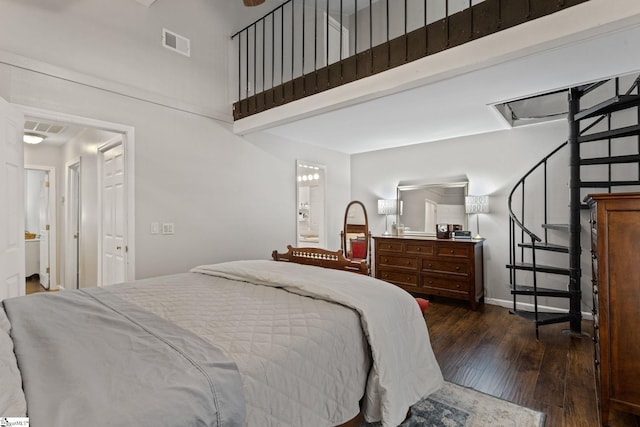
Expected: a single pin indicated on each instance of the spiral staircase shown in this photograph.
(604, 157)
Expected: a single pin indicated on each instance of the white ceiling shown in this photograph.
(460, 105)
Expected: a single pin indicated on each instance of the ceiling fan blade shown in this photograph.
(252, 2)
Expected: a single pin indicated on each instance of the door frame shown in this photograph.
(128, 141)
(112, 143)
(53, 223)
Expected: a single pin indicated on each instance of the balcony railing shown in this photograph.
(307, 46)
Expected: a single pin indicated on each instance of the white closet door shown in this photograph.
(11, 202)
(114, 216)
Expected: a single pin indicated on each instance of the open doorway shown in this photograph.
(40, 226)
(75, 151)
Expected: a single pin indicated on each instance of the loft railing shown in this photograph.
(303, 47)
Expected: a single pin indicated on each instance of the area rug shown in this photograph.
(456, 406)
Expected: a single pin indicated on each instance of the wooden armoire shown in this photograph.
(615, 253)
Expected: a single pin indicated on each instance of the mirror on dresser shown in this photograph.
(425, 205)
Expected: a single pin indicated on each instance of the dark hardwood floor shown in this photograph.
(497, 353)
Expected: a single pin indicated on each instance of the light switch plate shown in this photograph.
(167, 228)
(155, 228)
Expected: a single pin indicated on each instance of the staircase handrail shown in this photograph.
(512, 215)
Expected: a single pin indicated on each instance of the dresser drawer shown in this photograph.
(450, 283)
(446, 266)
(421, 248)
(397, 261)
(453, 250)
(389, 247)
(399, 277)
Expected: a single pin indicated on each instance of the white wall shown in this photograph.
(493, 163)
(228, 197)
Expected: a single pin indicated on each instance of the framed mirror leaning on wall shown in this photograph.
(311, 225)
(425, 205)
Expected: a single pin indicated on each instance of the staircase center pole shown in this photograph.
(574, 213)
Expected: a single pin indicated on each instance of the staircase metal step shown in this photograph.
(632, 158)
(613, 133)
(544, 318)
(546, 247)
(539, 268)
(561, 227)
(607, 184)
(616, 103)
(542, 292)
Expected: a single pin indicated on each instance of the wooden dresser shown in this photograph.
(430, 266)
(615, 254)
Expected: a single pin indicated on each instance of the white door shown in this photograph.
(72, 225)
(44, 230)
(11, 202)
(113, 215)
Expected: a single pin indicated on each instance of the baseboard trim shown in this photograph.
(529, 307)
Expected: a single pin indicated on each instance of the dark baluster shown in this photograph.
(239, 68)
(315, 36)
(426, 30)
(471, 19)
(326, 35)
(247, 65)
(341, 65)
(264, 22)
(446, 17)
(293, 35)
(406, 42)
(371, 34)
(282, 47)
(355, 39)
(255, 53)
(546, 231)
(303, 41)
(273, 50)
(388, 49)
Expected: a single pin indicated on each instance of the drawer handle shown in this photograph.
(431, 282)
(408, 262)
(429, 265)
(457, 268)
(386, 260)
(453, 251)
(458, 286)
(408, 278)
(419, 249)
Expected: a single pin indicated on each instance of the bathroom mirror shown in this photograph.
(425, 205)
(310, 205)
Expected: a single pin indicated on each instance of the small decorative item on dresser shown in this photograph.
(445, 231)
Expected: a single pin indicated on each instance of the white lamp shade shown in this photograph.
(387, 207)
(476, 204)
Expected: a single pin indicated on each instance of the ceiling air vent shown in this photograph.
(176, 42)
(54, 128)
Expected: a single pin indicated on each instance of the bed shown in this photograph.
(255, 343)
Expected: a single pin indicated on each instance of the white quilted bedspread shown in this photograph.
(303, 361)
(404, 368)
